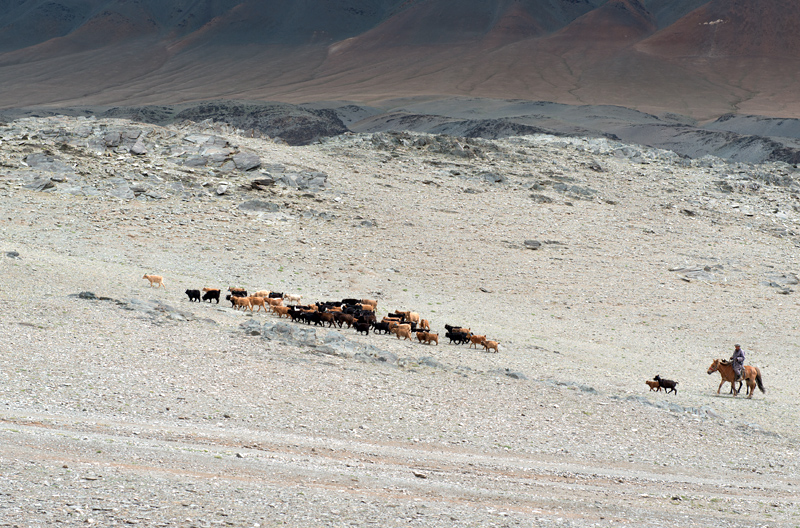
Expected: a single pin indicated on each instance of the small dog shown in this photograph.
(667, 385)
(654, 386)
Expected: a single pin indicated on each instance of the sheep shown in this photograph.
(156, 280)
(476, 340)
(667, 385)
(490, 345)
(194, 295)
(654, 385)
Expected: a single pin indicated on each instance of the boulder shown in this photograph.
(246, 161)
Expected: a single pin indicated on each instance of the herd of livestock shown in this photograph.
(358, 314)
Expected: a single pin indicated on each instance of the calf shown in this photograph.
(667, 385)
(156, 280)
(654, 385)
(210, 294)
(194, 295)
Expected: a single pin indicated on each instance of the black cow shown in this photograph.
(194, 295)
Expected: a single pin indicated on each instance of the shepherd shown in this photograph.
(737, 360)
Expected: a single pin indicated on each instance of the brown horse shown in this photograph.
(752, 375)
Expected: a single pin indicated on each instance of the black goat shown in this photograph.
(194, 295)
(667, 385)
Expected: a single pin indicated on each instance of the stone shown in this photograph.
(40, 184)
(222, 189)
(532, 244)
(259, 206)
(112, 138)
(246, 161)
(138, 148)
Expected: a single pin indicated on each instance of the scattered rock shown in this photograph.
(532, 244)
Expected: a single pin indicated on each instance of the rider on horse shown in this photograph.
(737, 359)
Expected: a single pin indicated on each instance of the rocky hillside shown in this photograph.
(595, 264)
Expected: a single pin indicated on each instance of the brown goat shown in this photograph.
(654, 385)
(158, 280)
(257, 301)
(261, 293)
(476, 340)
(424, 324)
(281, 311)
(490, 345)
(241, 302)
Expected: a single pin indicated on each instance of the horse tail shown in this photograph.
(758, 380)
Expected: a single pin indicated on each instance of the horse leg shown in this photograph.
(721, 383)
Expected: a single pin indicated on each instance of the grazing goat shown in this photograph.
(156, 280)
(490, 345)
(403, 330)
(194, 295)
(210, 294)
(424, 324)
(667, 385)
(654, 385)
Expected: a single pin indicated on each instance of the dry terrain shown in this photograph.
(133, 406)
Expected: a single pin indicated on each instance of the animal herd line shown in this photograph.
(356, 314)
(359, 315)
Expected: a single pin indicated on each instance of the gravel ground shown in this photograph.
(139, 407)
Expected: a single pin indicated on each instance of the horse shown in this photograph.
(752, 375)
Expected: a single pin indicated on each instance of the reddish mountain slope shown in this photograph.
(686, 56)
